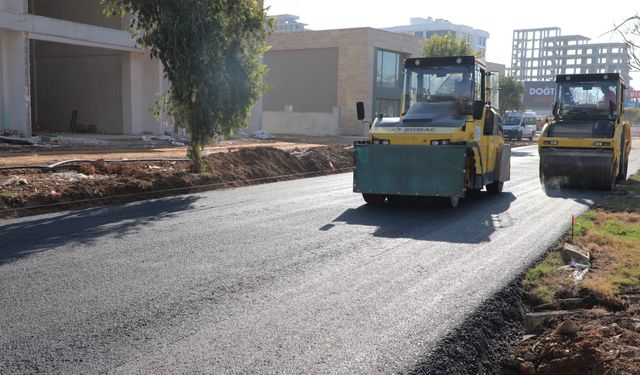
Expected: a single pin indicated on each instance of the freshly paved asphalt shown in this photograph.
(292, 277)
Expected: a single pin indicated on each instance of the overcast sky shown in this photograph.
(590, 18)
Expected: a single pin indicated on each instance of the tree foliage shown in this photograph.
(511, 94)
(447, 45)
(633, 115)
(211, 53)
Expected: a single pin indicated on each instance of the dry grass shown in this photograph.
(612, 232)
(545, 282)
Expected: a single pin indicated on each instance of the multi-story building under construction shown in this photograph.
(541, 54)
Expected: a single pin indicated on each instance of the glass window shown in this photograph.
(389, 107)
(378, 67)
(479, 77)
(578, 99)
(387, 69)
(436, 84)
(390, 69)
(513, 119)
(438, 92)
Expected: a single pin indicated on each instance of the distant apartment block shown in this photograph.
(288, 23)
(541, 54)
(425, 28)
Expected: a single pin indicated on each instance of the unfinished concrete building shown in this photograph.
(58, 57)
(541, 54)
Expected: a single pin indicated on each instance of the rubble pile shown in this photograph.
(579, 332)
(584, 342)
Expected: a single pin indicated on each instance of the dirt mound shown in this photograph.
(26, 192)
(593, 341)
(270, 164)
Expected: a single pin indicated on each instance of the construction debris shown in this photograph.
(574, 254)
(536, 319)
(15, 181)
(585, 342)
(27, 141)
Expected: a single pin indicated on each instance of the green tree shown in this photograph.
(211, 53)
(633, 115)
(447, 45)
(511, 93)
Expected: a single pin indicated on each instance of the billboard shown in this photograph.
(539, 95)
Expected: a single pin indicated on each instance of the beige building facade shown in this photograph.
(315, 79)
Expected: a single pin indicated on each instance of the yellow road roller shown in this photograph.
(446, 142)
(588, 142)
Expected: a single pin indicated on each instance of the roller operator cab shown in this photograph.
(587, 145)
(447, 142)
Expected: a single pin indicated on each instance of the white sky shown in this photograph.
(587, 17)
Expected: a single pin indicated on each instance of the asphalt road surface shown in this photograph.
(292, 277)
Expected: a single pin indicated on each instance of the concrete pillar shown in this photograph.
(15, 107)
(142, 81)
(255, 119)
(151, 86)
(130, 86)
(15, 111)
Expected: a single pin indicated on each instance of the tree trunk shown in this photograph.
(195, 154)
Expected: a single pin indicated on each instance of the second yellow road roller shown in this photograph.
(587, 145)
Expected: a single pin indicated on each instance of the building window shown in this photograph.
(387, 69)
(419, 34)
(389, 107)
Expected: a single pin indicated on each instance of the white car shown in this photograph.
(518, 125)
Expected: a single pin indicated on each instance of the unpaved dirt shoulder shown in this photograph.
(27, 192)
(15, 155)
(583, 297)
